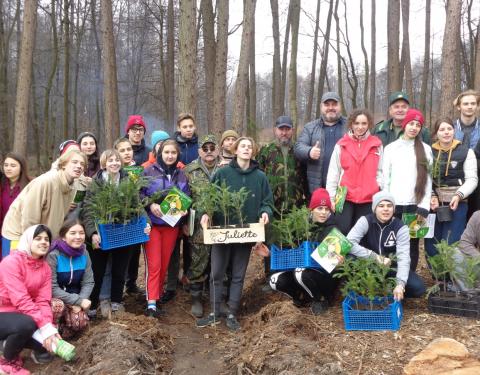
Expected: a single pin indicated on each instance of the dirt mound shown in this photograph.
(128, 344)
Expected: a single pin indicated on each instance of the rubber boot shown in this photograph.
(196, 293)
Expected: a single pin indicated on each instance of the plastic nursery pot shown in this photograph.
(444, 214)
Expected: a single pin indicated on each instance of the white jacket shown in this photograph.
(400, 173)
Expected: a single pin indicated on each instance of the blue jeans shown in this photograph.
(449, 230)
(415, 287)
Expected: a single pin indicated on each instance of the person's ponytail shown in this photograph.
(422, 170)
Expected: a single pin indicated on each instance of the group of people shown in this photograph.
(54, 277)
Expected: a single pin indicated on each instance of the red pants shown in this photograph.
(157, 256)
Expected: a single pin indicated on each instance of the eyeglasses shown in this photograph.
(210, 148)
(137, 130)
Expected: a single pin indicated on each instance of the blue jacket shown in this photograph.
(188, 148)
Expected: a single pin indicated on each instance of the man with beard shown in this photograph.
(318, 138)
(391, 129)
(285, 175)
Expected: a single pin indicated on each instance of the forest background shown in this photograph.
(68, 66)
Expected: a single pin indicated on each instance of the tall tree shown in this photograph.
(449, 56)
(187, 53)
(325, 49)
(393, 32)
(284, 59)
(110, 93)
(365, 57)
(220, 86)
(170, 66)
(339, 60)
(25, 76)
(426, 57)
(311, 88)
(277, 67)
(292, 80)
(252, 89)
(405, 65)
(209, 53)
(66, 67)
(476, 84)
(373, 56)
(238, 114)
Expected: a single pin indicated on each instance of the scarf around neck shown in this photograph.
(64, 248)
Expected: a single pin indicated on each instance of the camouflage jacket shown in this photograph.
(285, 175)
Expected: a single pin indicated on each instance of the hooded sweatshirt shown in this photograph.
(188, 148)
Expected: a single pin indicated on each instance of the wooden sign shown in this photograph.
(254, 232)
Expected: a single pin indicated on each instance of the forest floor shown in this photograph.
(276, 338)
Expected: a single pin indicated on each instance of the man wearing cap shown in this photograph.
(199, 173)
(135, 132)
(226, 142)
(391, 129)
(318, 138)
(380, 235)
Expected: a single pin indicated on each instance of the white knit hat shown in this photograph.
(382, 195)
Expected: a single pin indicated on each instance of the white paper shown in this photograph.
(328, 262)
(430, 223)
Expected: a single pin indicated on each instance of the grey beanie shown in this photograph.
(382, 195)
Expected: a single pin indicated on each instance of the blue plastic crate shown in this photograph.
(289, 259)
(388, 319)
(119, 235)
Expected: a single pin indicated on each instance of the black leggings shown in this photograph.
(414, 242)
(17, 330)
(305, 285)
(120, 258)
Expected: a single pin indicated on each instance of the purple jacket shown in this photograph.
(160, 181)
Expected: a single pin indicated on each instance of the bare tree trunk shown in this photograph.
(449, 56)
(426, 58)
(373, 74)
(339, 60)
(187, 57)
(353, 81)
(477, 61)
(220, 88)
(284, 60)
(209, 54)
(252, 89)
(66, 67)
(365, 57)
(25, 76)
(292, 80)
(311, 90)
(277, 68)
(326, 47)
(238, 114)
(393, 32)
(406, 65)
(170, 77)
(110, 94)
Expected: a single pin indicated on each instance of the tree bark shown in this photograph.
(449, 56)
(284, 61)
(393, 32)
(426, 57)
(292, 80)
(339, 60)
(406, 65)
(277, 67)
(252, 89)
(311, 90)
(476, 84)
(170, 76)
(353, 80)
(187, 68)
(373, 55)
(66, 67)
(365, 57)
(238, 114)
(110, 94)
(220, 86)
(209, 54)
(25, 76)
(324, 65)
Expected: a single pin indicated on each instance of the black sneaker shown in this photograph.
(134, 289)
(232, 323)
(210, 320)
(41, 357)
(168, 295)
(319, 307)
(154, 313)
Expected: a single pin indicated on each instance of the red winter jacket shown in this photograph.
(26, 287)
(359, 161)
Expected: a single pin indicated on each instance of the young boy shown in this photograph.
(186, 137)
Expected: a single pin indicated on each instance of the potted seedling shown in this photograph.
(445, 300)
(219, 201)
(291, 246)
(368, 288)
(444, 193)
(118, 211)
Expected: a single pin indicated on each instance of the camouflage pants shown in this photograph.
(197, 272)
